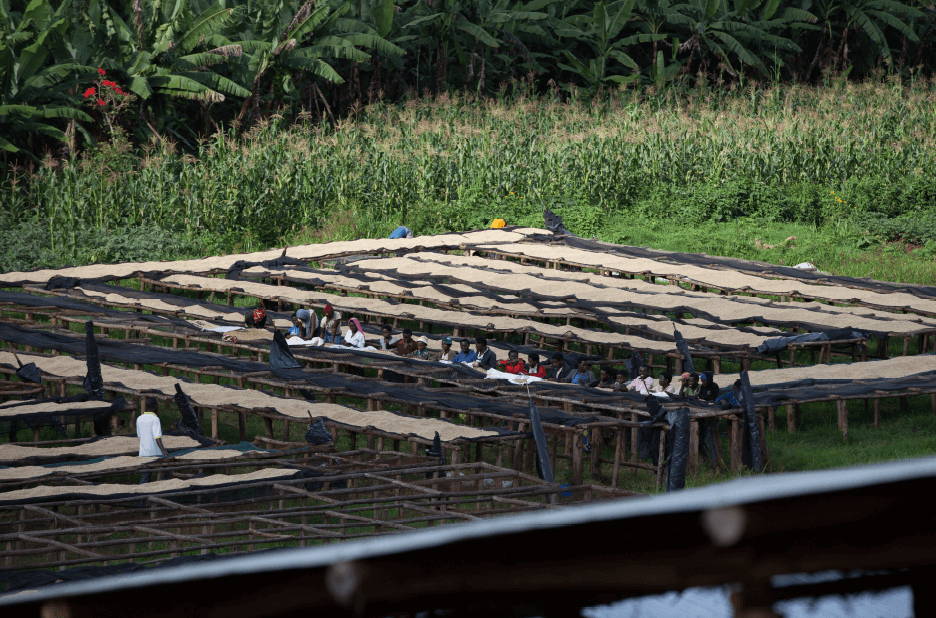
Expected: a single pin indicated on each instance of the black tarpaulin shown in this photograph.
(118, 351)
(237, 268)
(188, 425)
(648, 438)
(436, 449)
(24, 410)
(683, 348)
(543, 463)
(221, 492)
(778, 394)
(85, 308)
(57, 282)
(282, 362)
(94, 380)
(28, 372)
(746, 266)
(633, 365)
(677, 448)
(750, 444)
(553, 223)
(317, 434)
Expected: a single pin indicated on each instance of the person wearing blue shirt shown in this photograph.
(467, 355)
(297, 329)
(583, 376)
(731, 398)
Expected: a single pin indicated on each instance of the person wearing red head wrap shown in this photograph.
(331, 325)
(256, 318)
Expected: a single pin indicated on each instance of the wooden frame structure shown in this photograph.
(362, 494)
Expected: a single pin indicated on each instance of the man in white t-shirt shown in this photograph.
(149, 430)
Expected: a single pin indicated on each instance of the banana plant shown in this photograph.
(482, 27)
(312, 38)
(34, 87)
(601, 31)
(869, 17)
(377, 17)
(714, 32)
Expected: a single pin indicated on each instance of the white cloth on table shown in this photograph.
(223, 329)
(494, 374)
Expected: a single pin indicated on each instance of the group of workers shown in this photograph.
(307, 326)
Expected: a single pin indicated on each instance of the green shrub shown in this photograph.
(28, 245)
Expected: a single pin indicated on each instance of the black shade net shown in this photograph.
(222, 492)
(85, 308)
(753, 268)
(117, 351)
(24, 412)
(599, 310)
(74, 457)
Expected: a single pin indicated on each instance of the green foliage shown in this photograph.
(195, 66)
(813, 157)
(35, 86)
(28, 245)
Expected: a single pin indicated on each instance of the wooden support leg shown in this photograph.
(716, 441)
(790, 422)
(736, 444)
(635, 452)
(844, 418)
(618, 453)
(596, 446)
(877, 412)
(763, 441)
(771, 421)
(660, 460)
(214, 423)
(693, 446)
(578, 455)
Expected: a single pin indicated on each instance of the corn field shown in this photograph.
(453, 162)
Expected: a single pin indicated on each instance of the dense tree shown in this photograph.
(189, 66)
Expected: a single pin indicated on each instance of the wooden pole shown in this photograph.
(693, 446)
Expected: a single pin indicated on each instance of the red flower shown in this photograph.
(102, 71)
(109, 83)
(89, 92)
(101, 102)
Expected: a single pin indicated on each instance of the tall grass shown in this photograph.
(454, 162)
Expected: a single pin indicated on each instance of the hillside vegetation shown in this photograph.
(847, 169)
